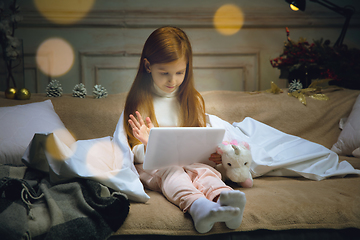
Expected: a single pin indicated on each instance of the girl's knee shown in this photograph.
(170, 172)
(200, 169)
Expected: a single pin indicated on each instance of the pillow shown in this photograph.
(349, 138)
(356, 152)
(20, 123)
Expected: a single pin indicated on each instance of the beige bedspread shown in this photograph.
(274, 203)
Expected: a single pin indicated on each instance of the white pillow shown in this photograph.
(18, 124)
(356, 152)
(349, 138)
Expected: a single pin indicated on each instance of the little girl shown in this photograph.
(163, 95)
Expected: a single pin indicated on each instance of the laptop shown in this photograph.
(181, 146)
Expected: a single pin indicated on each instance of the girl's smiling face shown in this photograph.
(168, 76)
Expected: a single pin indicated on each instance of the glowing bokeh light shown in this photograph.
(104, 159)
(64, 11)
(228, 19)
(61, 144)
(293, 7)
(55, 57)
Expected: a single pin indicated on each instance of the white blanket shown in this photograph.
(108, 160)
(279, 154)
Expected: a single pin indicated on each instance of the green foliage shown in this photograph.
(337, 63)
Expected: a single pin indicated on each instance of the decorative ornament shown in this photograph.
(99, 92)
(312, 91)
(23, 94)
(54, 89)
(294, 86)
(274, 89)
(10, 93)
(79, 91)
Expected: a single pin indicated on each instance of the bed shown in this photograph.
(277, 207)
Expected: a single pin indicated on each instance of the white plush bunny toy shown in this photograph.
(236, 161)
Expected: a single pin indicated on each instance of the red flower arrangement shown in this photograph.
(319, 60)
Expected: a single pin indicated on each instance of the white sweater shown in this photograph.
(167, 109)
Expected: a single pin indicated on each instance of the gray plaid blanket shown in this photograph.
(32, 208)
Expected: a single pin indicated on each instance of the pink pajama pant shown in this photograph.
(183, 185)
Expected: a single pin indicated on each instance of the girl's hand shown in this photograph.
(216, 158)
(140, 130)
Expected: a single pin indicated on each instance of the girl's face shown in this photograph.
(168, 76)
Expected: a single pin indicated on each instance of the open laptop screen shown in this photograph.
(181, 146)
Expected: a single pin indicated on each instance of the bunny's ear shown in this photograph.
(234, 142)
(246, 145)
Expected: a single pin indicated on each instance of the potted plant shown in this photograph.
(305, 62)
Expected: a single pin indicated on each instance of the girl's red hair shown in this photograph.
(165, 45)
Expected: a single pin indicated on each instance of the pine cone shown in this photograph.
(79, 91)
(295, 85)
(54, 89)
(99, 91)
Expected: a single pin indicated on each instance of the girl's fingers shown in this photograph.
(132, 124)
(149, 123)
(216, 158)
(135, 122)
(140, 118)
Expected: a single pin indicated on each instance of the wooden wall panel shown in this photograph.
(116, 71)
(113, 70)
(107, 43)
